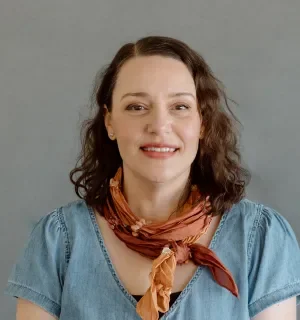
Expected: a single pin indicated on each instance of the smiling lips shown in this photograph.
(159, 151)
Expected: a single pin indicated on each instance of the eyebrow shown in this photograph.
(145, 94)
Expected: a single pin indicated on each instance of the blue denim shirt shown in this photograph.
(65, 268)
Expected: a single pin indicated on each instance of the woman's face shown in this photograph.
(155, 118)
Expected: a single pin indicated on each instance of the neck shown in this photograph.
(155, 202)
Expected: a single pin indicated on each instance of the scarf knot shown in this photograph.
(182, 252)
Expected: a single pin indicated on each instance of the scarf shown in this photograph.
(167, 243)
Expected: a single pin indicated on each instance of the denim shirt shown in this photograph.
(65, 268)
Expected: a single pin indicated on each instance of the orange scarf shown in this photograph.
(168, 244)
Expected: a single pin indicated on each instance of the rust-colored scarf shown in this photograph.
(168, 243)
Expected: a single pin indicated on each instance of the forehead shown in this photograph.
(155, 75)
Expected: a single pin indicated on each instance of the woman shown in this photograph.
(162, 229)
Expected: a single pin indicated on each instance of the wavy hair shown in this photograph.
(217, 168)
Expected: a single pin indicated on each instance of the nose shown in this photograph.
(159, 122)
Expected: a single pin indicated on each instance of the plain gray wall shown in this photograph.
(51, 51)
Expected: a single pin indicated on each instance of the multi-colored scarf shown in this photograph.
(167, 243)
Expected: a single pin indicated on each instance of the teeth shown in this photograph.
(160, 149)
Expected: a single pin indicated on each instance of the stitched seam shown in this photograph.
(106, 254)
(252, 233)
(273, 292)
(66, 235)
(22, 286)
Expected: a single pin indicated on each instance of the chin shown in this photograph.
(160, 176)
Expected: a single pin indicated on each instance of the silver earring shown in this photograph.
(111, 135)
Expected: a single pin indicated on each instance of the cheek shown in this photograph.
(191, 134)
(128, 131)
(128, 137)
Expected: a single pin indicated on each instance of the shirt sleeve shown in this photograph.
(37, 275)
(273, 261)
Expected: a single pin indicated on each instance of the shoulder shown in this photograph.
(260, 226)
(57, 229)
(69, 213)
(39, 272)
(273, 255)
(57, 218)
(258, 218)
(59, 223)
(73, 208)
(245, 210)
(241, 219)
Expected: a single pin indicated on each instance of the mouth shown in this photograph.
(159, 151)
(156, 149)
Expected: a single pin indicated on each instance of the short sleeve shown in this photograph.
(37, 275)
(273, 261)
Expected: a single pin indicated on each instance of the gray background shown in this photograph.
(51, 51)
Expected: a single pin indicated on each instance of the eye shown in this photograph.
(181, 107)
(135, 107)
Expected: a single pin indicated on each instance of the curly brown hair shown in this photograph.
(217, 168)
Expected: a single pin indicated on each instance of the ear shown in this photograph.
(201, 136)
(202, 129)
(108, 122)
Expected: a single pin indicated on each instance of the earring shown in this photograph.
(111, 135)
